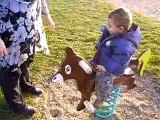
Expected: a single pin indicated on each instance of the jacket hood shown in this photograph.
(133, 35)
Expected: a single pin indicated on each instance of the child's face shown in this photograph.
(113, 29)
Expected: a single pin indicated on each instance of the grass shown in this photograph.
(77, 25)
(150, 39)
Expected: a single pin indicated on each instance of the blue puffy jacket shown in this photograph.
(114, 52)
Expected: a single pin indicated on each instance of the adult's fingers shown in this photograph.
(1, 53)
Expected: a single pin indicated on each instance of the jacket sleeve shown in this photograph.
(118, 62)
(44, 7)
(104, 34)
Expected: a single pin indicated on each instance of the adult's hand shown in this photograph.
(3, 50)
(50, 22)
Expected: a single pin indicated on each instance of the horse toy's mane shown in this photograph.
(76, 67)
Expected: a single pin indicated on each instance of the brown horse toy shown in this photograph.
(75, 67)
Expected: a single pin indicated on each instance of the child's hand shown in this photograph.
(100, 68)
(50, 22)
(3, 50)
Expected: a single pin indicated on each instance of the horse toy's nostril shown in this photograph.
(57, 78)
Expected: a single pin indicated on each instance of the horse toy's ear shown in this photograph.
(69, 51)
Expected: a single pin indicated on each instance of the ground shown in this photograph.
(147, 7)
(78, 24)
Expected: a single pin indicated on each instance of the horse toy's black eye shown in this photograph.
(68, 69)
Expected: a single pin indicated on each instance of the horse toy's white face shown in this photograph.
(71, 67)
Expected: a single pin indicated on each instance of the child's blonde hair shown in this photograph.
(122, 17)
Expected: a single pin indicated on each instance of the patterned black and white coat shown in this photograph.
(21, 28)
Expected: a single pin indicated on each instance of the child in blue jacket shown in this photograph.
(119, 41)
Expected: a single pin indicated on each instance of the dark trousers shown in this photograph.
(13, 84)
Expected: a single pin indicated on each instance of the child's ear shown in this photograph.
(69, 52)
(121, 29)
